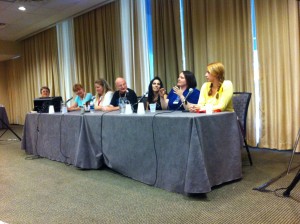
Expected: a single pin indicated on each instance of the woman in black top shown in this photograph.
(153, 93)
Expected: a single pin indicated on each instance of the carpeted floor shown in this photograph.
(44, 191)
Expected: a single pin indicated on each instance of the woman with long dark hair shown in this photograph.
(153, 93)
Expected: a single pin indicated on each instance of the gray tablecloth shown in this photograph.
(70, 138)
(3, 117)
(179, 152)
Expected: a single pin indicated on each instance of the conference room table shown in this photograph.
(175, 151)
(3, 118)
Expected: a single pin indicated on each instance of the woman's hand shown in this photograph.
(162, 92)
(178, 91)
(73, 108)
(194, 108)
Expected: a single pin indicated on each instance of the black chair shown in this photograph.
(241, 102)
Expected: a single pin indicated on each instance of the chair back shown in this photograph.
(241, 102)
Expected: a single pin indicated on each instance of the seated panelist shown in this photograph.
(153, 93)
(124, 93)
(183, 94)
(81, 98)
(217, 91)
(103, 94)
(45, 91)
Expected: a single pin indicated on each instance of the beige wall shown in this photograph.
(9, 49)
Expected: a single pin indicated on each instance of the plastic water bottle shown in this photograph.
(82, 110)
(92, 107)
(122, 105)
(63, 108)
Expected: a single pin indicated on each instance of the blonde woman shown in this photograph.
(216, 92)
(103, 94)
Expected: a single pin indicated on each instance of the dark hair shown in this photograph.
(190, 79)
(150, 90)
(44, 87)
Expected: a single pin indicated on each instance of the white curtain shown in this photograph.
(143, 45)
(66, 54)
(135, 45)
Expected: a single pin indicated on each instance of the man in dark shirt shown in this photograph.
(122, 92)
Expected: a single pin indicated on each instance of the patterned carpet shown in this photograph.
(44, 191)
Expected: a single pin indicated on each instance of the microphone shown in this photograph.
(125, 97)
(189, 93)
(127, 91)
(69, 100)
(185, 99)
(144, 95)
(91, 100)
(125, 94)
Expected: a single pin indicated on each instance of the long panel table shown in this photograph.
(179, 152)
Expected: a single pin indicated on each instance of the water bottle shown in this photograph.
(122, 105)
(82, 110)
(92, 108)
(63, 108)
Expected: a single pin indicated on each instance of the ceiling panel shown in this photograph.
(39, 15)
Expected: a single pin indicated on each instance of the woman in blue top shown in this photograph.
(81, 98)
(183, 94)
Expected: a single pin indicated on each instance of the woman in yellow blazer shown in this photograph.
(216, 92)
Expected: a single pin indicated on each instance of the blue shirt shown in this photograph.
(175, 102)
(80, 102)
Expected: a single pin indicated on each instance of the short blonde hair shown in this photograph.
(217, 69)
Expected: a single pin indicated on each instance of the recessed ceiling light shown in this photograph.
(22, 8)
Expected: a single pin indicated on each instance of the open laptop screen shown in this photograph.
(41, 105)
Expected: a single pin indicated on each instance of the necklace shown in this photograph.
(99, 101)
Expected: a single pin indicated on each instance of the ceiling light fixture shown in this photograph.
(22, 8)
